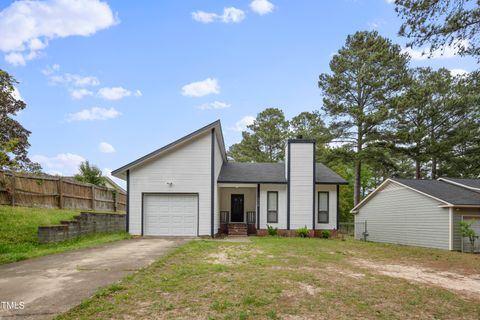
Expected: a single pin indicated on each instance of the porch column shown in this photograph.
(258, 205)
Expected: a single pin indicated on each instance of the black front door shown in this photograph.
(237, 208)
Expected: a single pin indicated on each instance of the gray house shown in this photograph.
(423, 213)
(190, 188)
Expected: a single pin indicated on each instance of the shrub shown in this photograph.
(272, 231)
(467, 232)
(326, 234)
(303, 232)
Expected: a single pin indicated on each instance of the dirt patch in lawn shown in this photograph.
(233, 255)
(469, 285)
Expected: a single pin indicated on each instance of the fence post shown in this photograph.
(93, 198)
(115, 200)
(60, 193)
(13, 182)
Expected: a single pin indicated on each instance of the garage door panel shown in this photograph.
(170, 215)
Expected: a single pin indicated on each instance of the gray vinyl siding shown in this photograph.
(187, 166)
(218, 168)
(282, 205)
(301, 185)
(402, 216)
(457, 217)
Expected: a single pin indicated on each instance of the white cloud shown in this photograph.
(201, 88)
(114, 93)
(80, 93)
(204, 17)
(68, 79)
(28, 26)
(232, 15)
(390, 1)
(92, 114)
(106, 147)
(16, 94)
(262, 7)
(443, 53)
(51, 69)
(61, 164)
(74, 80)
(241, 125)
(458, 72)
(229, 15)
(214, 105)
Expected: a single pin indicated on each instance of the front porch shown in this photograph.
(238, 209)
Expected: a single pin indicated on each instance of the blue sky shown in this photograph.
(110, 81)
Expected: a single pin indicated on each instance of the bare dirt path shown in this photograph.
(467, 284)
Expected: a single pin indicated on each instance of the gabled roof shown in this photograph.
(473, 184)
(446, 194)
(121, 172)
(453, 194)
(248, 172)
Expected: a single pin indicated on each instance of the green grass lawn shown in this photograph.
(18, 233)
(284, 278)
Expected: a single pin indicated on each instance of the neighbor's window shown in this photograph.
(272, 207)
(323, 208)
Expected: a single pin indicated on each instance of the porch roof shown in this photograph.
(251, 172)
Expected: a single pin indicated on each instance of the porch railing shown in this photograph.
(251, 217)
(224, 217)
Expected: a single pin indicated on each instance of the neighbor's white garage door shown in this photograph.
(170, 214)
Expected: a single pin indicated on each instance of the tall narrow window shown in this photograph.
(323, 207)
(272, 207)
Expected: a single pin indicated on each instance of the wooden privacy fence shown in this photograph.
(57, 192)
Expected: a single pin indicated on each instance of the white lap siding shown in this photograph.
(188, 167)
(218, 168)
(282, 205)
(399, 215)
(301, 185)
(332, 203)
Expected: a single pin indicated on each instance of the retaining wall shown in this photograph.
(85, 223)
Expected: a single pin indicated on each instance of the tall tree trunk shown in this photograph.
(434, 168)
(418, 169)
(357, 182)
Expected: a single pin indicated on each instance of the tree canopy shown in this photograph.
(265, 139)
(90, 174)
(441, 23)
(13, 136)
(367, 74)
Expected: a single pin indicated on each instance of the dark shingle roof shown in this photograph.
(472, 183)
(325, 175)
(447, 192)
(247, 172)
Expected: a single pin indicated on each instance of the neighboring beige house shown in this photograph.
(423, 213)
(189, 188)
(110, 184)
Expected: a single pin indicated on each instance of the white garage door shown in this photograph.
(170, 214)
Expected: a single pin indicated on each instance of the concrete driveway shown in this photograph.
(53, 284)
